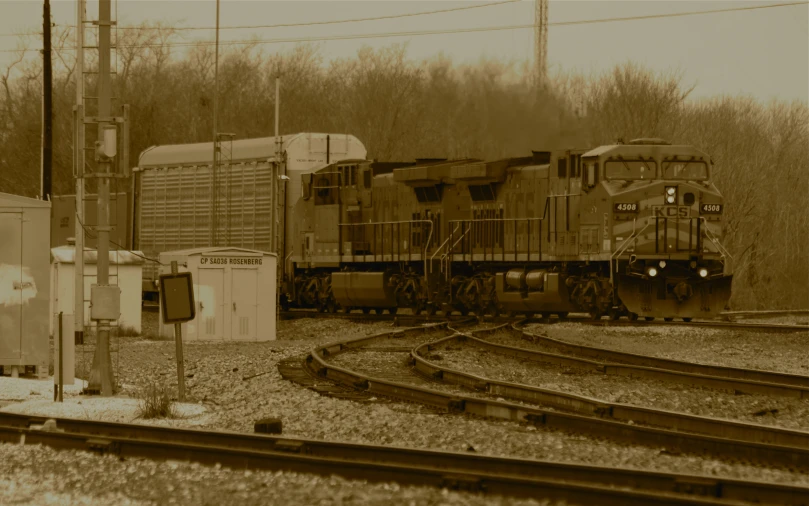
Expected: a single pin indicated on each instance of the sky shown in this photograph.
(763, 53)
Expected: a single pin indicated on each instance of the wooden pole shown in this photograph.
(178, 342)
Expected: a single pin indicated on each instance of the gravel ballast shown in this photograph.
(40, 476)
(770, 351)
(215, 373)
(766, 410)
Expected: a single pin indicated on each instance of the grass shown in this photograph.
(155, 402)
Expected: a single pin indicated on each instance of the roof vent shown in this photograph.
(650, 141)
(541, 157)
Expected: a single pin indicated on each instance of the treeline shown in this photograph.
(402, 109)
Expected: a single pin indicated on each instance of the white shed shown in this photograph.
(126, 271)
(24, 282)
(234, 291)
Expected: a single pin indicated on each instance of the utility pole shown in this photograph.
(78, 173)
(215, 164)
(47, 104)
(540, 43)
(105, 299)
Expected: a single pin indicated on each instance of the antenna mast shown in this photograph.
(540, 43)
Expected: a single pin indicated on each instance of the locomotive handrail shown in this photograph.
(402, 222)
(528, 221)
(623, 247)
(715, 240)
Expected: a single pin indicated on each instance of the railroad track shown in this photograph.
(743, 380)
(577, 484)
(405, 319)
(714, 427)
(685, 433)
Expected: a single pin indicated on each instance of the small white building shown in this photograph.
(126, 271)
(234, 292)
(24, 282)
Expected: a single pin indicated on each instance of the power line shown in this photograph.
(436, 32)
(330, 22)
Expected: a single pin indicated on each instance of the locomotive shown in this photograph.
(628, 229)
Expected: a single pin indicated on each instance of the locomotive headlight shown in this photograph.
(671, 194)
(703, 272)
(662, 264)
(651, 271)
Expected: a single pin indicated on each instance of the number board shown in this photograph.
(626, 208)
(177, 297)
(710, 208)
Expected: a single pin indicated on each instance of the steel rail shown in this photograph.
(709, 426)
(461, 471)
(413, 319)
(727, 447)
(759, 327)
(793, 385)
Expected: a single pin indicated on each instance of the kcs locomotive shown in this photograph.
(630, 229)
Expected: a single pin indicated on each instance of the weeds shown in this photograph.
(155, 402)
(127, 331)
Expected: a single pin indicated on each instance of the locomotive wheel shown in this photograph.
(563, 314)
(649, 318)
(595, 315)
(668, 319)
(366, 310)
(321, 307)
(687, 319)
(331, 306)
(345, 310)
(393, 310)
(511, 314)
(378, 310)
(633, 317)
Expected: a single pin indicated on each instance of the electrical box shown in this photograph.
(234, 293)
(105, 302)
(177, 297)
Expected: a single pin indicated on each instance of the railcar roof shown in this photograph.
(657, 150)
(260, 148)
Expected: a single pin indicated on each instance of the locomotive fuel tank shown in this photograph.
(533, 291)
(363, 289)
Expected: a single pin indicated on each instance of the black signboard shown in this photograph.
(177, 297)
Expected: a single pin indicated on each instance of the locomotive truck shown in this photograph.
(629, 229)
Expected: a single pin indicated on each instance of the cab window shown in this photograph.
(624, 169)
(693, 170)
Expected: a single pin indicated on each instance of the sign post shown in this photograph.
(177, 305)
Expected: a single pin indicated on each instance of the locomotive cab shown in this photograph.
(662, 222)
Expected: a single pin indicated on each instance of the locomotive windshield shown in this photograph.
(685, 169)
(624, 169)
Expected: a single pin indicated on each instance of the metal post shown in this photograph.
(61, 362)
(178, 344)
(47, 104)
(215, 162)
(101, 373)
(277, 171)
(78, 148)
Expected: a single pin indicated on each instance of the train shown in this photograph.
(622, 230)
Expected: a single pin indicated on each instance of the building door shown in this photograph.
(244, 299)
(211, 303)
(11, 286)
